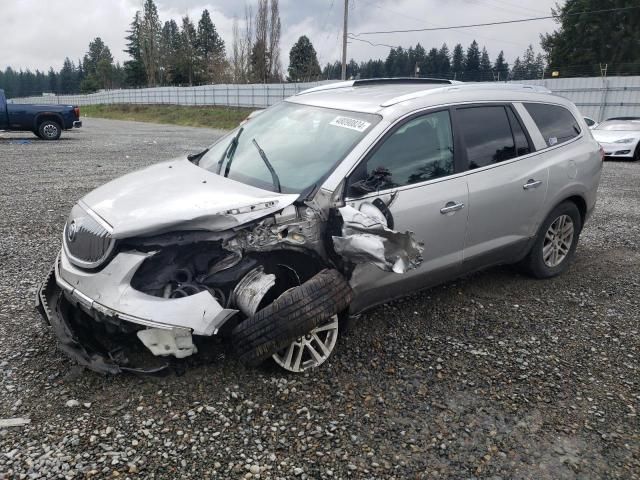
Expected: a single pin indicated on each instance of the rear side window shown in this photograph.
(487, 135)
(556, 123)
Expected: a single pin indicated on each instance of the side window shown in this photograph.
(589, 122)
(556, 123)
(419, 150)
(487, 135)
(522, 143)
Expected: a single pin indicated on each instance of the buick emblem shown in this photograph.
(72, 230)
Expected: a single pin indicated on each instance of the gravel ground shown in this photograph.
(492, 376)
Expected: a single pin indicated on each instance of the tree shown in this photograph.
(210, 47)
(259, 64)
(52, 80)
(169, 69)
(588, 40)
(303, 61)
(275, 27)
(187, 53)
(501, 67)
(98, 67)
(135, 75)
(444, 61)
(518, 71)
(150, 41)
(485, 69)
(457, 62)
(472, 63)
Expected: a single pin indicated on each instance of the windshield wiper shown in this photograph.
(274, 175)
(228, 152)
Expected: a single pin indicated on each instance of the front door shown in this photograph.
(412, 172)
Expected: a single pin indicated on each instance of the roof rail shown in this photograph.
(466, 86)
(380, 81)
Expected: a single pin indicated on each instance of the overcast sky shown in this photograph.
(37, 34)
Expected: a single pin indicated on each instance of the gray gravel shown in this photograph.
(492, 376)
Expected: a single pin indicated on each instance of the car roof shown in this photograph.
(384, 96)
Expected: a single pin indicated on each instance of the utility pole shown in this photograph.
(344, 40)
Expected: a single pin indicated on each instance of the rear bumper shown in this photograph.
(77, 124)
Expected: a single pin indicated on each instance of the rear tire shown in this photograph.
(556, 242)
(49, 130)
(293, 314)
(636, 154)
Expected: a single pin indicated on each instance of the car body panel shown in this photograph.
(179, 195)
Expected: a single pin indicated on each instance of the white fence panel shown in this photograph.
(596, 97)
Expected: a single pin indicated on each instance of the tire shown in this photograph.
(37, 133)
(636, 154)
(293, 314)
(535, 263)
(49, 130)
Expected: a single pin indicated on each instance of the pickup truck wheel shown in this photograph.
(292, 318)
(49, 130)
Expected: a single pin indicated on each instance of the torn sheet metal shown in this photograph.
(177, 341)
(367, 239)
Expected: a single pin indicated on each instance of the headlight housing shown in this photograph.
(625, 140)
(87, 238)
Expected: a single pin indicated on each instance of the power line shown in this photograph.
(522, 20)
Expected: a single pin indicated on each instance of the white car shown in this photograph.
(619, 137)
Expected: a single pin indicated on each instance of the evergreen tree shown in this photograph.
(485, 68)
(169, 54)
(210, 46)
(188, 53)
(501, 67)
(457, 62)
(135, 75)
(472, 63)
(444, 61)
(589, 40)
(52, 80)
(303, 61)
(518, 71)
(98, 67)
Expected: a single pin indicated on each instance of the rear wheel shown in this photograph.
(636, 153)
(556, 242)
(49, 130)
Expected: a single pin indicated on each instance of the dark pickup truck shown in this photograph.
(46, 121)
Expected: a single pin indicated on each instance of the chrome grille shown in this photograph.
(87, 243)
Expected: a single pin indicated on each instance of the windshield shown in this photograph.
(620, 125)
(302, 145)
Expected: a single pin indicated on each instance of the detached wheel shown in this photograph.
(49, 130)
(288, 327)
(556, 243)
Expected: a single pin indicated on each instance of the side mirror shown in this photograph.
(379, 178)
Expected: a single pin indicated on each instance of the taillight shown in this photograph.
(601, 154)
(76, 111)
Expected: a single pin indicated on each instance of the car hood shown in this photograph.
(610, 136)
(178, 195)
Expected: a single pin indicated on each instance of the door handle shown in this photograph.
(531, 183)
(451, 207)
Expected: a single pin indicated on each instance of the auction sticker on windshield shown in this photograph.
(351, 123)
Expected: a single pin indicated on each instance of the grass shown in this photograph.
(209, 117)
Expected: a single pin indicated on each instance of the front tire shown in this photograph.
(556, 242)
(294, 317)
(49, 130)
(636, 154)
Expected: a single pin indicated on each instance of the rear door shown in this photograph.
(415, 169)
(507, 183)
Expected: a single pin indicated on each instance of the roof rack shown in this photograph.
(380, 81)
(466, 86)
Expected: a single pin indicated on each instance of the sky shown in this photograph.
(38, 34)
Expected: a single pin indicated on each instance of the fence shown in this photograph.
(234, 95)
(596, 97)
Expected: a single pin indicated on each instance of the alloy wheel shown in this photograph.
(310, 350)
(50, 130)
(558, 241)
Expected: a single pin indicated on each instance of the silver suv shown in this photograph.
(335, 200)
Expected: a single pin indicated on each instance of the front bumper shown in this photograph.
(78, 304)
(618, 150)
(77, 124)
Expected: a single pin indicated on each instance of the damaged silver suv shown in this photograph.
(335, 200)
